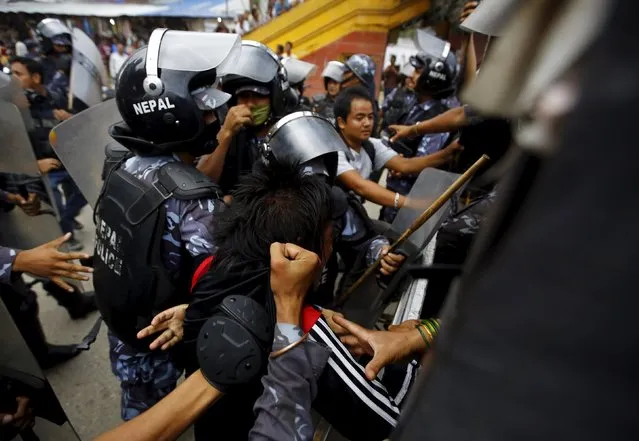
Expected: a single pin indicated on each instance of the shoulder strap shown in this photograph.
(185, 182)
(174, 180)
(369, 148)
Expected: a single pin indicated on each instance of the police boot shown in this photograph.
(78, 304)
(57, 354)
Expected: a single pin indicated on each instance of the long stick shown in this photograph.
(421, 220)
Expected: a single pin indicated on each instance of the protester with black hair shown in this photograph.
(46, 107)
(279, 204)
(355, 118)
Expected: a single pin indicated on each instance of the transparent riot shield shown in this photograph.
(23, 383)
(80, 141)
(87, 70)
(19, 169)
(366, 304)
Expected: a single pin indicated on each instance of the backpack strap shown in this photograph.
(369, 148)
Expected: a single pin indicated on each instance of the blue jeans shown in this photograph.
(74, 201)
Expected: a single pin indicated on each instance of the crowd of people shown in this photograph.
(235, 220)
(249, 20)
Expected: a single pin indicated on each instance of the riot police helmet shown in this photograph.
(259, 69)
(363, 68)
(51, 32)
(306, 139)
(334, 70)
(437, 75)
(167, 92)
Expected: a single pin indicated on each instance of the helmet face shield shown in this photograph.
(50, 27)
(256, 62)
(297, 70)
(198, 51)
(335, 71)
(302, 138)
(209, 98)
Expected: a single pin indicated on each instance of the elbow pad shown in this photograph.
(233, 344)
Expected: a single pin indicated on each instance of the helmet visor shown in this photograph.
(335, 71)
(255, 62)
(303, 136)
(198, 51)
(431, 45)
(209, 98)
(297, 70)
(50, 27)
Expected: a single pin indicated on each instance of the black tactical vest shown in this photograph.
(130, 280)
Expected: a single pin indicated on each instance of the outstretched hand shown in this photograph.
(385, 347)
(47, 261)
(401, 132)
(171, 322)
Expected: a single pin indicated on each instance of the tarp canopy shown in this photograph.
(168, 8)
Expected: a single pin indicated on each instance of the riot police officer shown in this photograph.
(333, 76)
(435, 80)
(261, 95)
(298, 71)
(155, 213)
(55, 43)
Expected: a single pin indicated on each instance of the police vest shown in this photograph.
(131, 283)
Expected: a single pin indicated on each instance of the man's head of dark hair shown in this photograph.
(344, 100)
(280, 49)
(275, 203)
(33, 66)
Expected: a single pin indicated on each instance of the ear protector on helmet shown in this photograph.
(152, 83)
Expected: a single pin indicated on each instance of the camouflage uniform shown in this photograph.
(284, 408)
(147, 377)
(323, 104)
(429, 144)
(396, 104)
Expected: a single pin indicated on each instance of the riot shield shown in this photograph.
(366, 303)
(11, 92)
(22, 379)
(490, 16)
(19, 168)
(80, 141)
(87, 70)
(430, 184)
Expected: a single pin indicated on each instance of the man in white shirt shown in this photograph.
(116, 60)
(355, 119)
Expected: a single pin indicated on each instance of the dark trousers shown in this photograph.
(74, 201)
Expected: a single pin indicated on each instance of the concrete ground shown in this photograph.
(87, 389)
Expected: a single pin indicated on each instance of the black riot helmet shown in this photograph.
(258, 66)
(307, 139)
(437, 65)
(52, 31)
(163, 91)
(438, 76)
